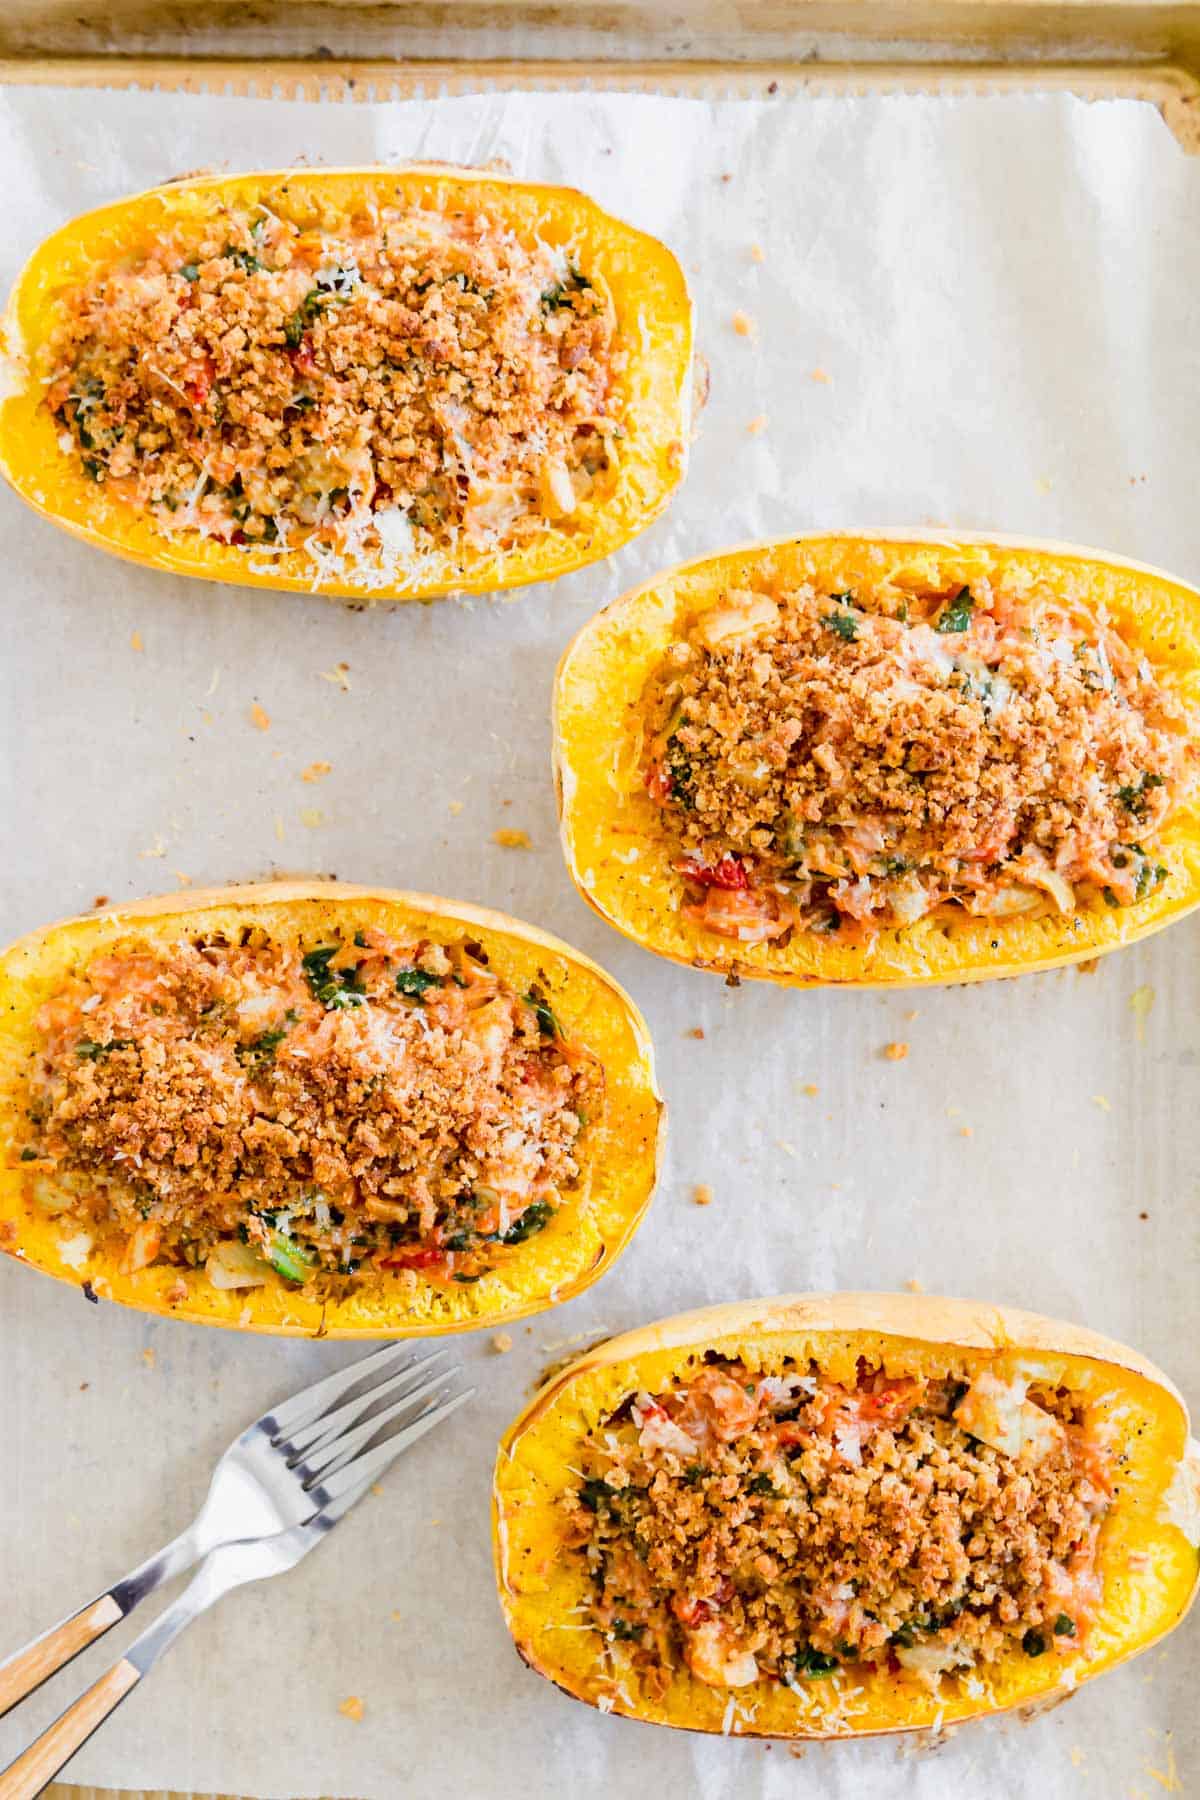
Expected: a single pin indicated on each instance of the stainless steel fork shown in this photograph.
(294, 1467)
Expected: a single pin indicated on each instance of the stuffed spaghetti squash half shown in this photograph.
(838, 1515)
(886, 758)
(370, 383)
(316, 1109)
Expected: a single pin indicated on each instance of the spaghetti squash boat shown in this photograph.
(307, 1108)
(838, 1515)
(886, 759)
(370, 383)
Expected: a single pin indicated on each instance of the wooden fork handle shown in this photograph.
(31, 1666)
(25, 1778)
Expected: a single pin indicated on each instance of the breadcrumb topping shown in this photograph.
(329, 1112)
(782, 1527)
(831, 762)
(411, 380)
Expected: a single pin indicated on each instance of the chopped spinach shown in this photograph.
(262, 1049)
(814, 1664)
(1133, 796)
(535, 1218)
(561, 293)
(548, 1025)
(416, 983)
(595, 1494)
(956, 614)
(334, 988)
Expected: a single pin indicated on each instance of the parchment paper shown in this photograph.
(978, 313)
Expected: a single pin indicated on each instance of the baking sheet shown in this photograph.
(970, 313)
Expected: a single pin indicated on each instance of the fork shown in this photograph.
(293, 1468)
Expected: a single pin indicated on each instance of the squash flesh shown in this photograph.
(620, 855)
(653, 391)
(1148, 1564)
(581, 1239)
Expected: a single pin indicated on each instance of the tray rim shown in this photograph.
(1170, 87)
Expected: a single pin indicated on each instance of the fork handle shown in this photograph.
(37, 1767)
(39, 1660)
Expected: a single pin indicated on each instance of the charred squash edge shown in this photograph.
(573, 1250)
(648, 290)
(600, 678)
(1159, 1518)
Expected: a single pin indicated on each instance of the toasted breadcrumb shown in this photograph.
(757, 253)
(148, 1358)
(312, 816)
(316, 771)
(99, 901)
(339, 675)
(260, 719)
(757, 425)
(352, 1708)
(502, 1343)
(697, 1031)
(896, 1051)
(914, 1286)
(1102, 1101)
(743, 324)
(817, 375)
(456, 807)
(512, 840)
(135, 642)
(702, 1194)
(811, 1089)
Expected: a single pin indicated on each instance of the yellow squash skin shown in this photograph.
(581, 1241)
(1148, 1554)
(619, 855)
(648, 291)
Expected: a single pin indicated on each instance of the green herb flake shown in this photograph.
(90, 1050)
(1033, 1644)
(1064, 1626)
(596, 1493)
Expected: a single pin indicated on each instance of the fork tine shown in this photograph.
(334, 1453)
(332, 1425)
(369, 1466)
(312, 1401)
